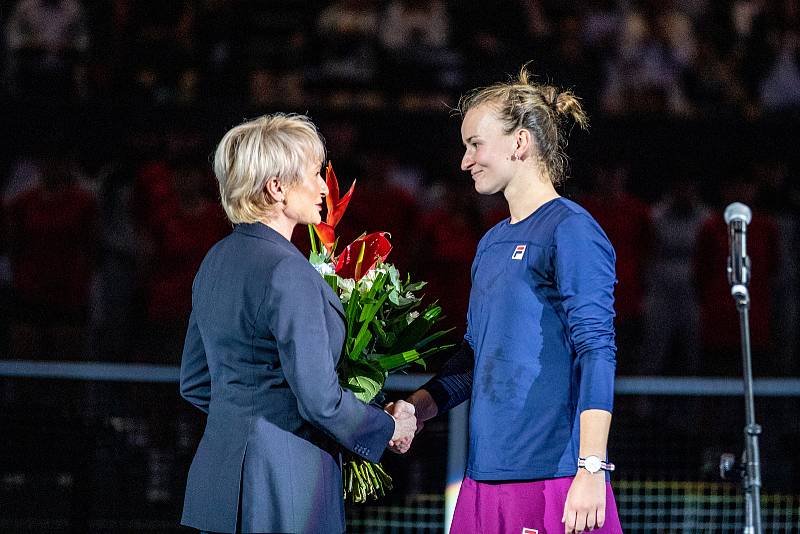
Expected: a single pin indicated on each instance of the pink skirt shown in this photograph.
(520, 508)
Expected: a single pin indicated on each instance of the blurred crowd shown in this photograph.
(99, 249)
(99, 264)
(677, 57)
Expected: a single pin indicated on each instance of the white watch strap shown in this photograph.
(604, 466)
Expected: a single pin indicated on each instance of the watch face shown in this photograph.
(592, 464)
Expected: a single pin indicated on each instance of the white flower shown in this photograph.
(411, 316)
(365, 284)
(324, 268)
(346, 286)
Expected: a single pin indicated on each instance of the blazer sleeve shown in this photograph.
(195, 382)
(295, 308)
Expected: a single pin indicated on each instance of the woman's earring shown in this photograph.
(513, 157)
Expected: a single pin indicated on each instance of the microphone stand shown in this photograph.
(751, 473)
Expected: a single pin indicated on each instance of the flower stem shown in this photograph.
(313, 239)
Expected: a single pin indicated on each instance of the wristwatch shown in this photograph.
(593, 464)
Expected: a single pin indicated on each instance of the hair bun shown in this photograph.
(568, 105)
(551, 96)
(563, 102)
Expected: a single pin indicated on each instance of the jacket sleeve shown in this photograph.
(195, 382)
(295, 307)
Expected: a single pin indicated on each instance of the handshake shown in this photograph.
(405, 425)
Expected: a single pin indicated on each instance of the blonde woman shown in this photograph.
(264, 337)
(538, 358)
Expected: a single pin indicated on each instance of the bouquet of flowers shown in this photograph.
(388, 328)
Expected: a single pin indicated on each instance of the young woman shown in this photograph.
(538, 358)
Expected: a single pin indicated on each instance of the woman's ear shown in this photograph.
(524, 143)
(274, 190)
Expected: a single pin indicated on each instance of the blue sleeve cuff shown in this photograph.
(453, 384)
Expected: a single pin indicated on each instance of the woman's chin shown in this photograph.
(482, 189)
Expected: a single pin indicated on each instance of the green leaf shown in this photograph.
(353, 307)
(377, 285)
(415, 286)
(365, 388)
(421, 344)
(360, 343)
(412, 334)
(364, 336)
(370, 309)
(433, 313)
(393, 362)
(386, 339)
(398, 320)
(394, 277)
(333, 281)
(366, 380)
(352, 385)
(403, 301)
(315, 259)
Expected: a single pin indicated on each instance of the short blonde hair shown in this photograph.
(279, 145)
(538, 108)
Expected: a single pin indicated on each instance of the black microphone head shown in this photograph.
(738, 212)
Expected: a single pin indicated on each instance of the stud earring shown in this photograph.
(514, 157)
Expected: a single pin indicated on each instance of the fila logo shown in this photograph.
(518, 253)
(529, 531)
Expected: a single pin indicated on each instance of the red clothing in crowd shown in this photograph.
(626, 221)
(53, 246)
(153, 192)
(172, 209)
(181, 240)
(448, 242)
(719, 320)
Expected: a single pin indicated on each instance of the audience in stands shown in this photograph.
(52, 240)
(113, 262)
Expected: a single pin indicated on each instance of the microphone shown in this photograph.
(737, 217)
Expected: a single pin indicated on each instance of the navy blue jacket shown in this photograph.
(263, 341)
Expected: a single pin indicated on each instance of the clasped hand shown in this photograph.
(405, 425)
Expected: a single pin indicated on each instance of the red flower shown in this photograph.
(326, 235)
(336, 208)
(360, 256)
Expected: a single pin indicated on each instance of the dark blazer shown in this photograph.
(263, 341)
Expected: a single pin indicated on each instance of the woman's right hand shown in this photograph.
(405, 425)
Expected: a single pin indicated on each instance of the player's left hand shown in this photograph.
(585, 508)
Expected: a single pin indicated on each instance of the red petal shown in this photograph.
(335, 215)
(326, 235)
(376, 247)
(333, 191)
